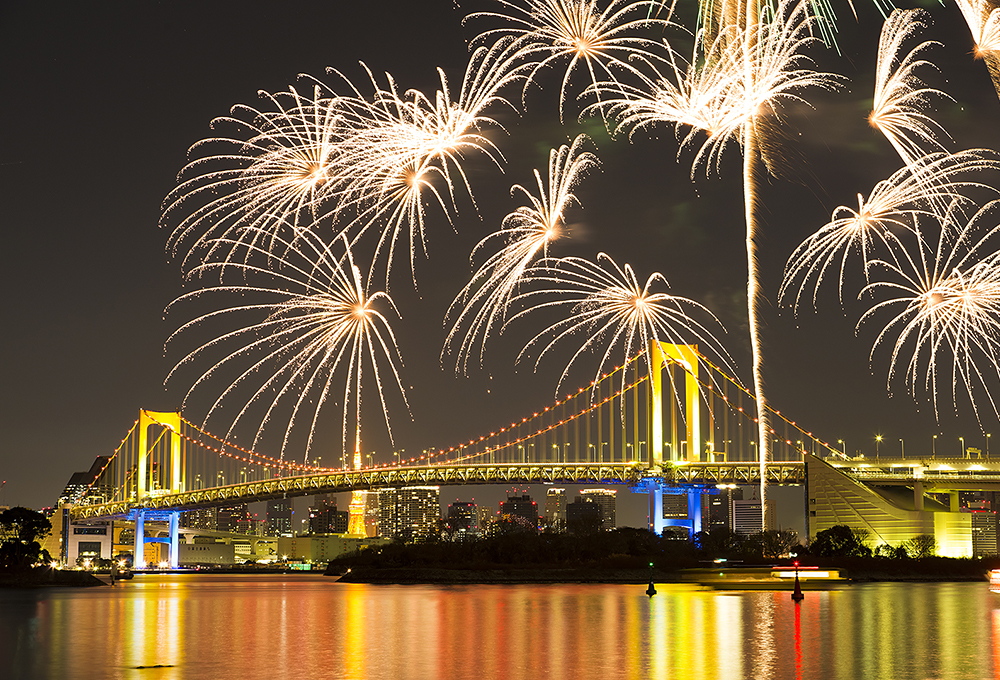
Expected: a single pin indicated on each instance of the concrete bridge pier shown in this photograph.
(173, 524)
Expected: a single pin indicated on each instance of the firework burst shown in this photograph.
(900, 96)
(946, 300)
(743, 75)
(261, 188)
(578, 31)
(983, 19)
(317, 320)
(894, 208)
(483, 305)
(611, 310)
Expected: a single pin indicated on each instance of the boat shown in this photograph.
(994, 576)
(778, 577)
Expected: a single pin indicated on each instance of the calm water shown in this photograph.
(305, 626)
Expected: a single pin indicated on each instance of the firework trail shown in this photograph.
(892, 210)
(946, 300)
(900, 96)
(315, 320)
(484, 304)
(610, 309)
(752, 62)
(983, 19)
(598, 41)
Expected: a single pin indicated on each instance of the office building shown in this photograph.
(463, 521)
(279, 517)
(523, 507)
(410, 513)
(605, 498)
(583, 516)
(325, 518)
(84, 483)
(555, 509)
(717, 508)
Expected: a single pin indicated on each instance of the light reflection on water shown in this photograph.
(307, 626)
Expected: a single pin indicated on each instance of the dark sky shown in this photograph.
(103, 100)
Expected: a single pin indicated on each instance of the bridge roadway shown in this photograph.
(935, 474)
(631, 474)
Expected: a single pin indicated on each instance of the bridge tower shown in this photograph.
(661, 355)
(171, 420)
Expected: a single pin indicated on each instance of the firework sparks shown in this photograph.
(257, 189)
(894, 207)
(946, 336)
(598, 41)
(526, 233)
(900, 96)
(319, 321)
(731, 83)
(611, 309)
(983, 19)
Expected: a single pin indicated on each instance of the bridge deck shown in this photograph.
(631, 474)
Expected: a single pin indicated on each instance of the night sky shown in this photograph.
(103, 101)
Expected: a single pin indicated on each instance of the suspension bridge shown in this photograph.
(684, 427)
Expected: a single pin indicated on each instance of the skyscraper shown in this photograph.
(716, 508)
(555, 509)
(463, 521)
(523, 507)
(279, 517)
(325, 518)
(410, 513)
(606, 499)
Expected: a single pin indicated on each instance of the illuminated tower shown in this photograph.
(356, 510)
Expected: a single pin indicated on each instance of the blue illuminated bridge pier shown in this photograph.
(687, 430)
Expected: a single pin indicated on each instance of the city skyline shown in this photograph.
(87, 351)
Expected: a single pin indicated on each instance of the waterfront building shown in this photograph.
(717, 508)
(836, 493)
(410, 513)
(583, 516)
(485, 517)
(235, 519)
(80, 482)
(280, 514)
(324, 518)
(606, 499)
(521, 506)
(463, 521)
(555, 509)
(202, 518)
(747, 517)
(321, 548)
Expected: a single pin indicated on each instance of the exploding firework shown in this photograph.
(733, 82)
(900, 96)
(578, 31)
(611, 310)
(316, 320)
(262, 188)
(983, 19)
(894, 208)
(526, 233)
(946, 300)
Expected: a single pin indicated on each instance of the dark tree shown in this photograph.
(20, 531)
(840, 541)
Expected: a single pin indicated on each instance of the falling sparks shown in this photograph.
(577, 31)
(611, 310)
(894, 207)
(483, 305)
(946, 300)
(316, 320)
(900, 96)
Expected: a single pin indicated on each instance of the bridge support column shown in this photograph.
(694, 511)
(918, 495)
(173, 523)
(656, 510)
(139, 549)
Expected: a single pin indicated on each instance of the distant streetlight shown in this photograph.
(962, 439)
(878, 440)
(843, 447)
(987, 444)
(902, 449)
(934, 445)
